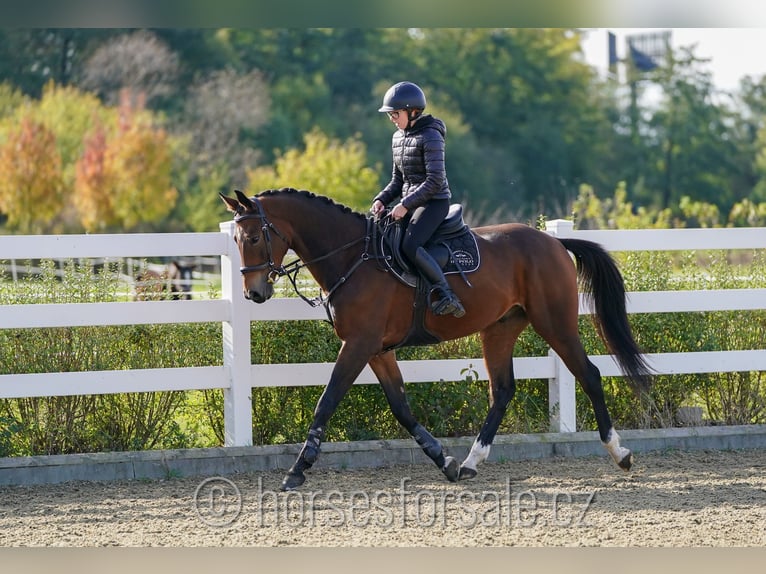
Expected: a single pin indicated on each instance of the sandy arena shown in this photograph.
(678, 499)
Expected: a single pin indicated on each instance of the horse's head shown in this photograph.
(261, 246)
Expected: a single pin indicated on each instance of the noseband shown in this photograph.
(266, 228)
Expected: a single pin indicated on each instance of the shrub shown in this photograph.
(48, 425)
(53, 425)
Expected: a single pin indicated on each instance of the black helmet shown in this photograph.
(403, 96)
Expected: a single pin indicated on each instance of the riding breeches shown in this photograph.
(422, 224)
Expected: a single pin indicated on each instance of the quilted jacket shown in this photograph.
(418, 173)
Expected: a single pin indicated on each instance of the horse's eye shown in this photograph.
(254, 240)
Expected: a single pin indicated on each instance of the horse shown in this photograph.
(526, 277)
(173, 283)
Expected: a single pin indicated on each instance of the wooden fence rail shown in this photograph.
(236, 376)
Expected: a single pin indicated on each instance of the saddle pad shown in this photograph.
(464, 253)
(463, 257)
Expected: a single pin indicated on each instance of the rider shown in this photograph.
(419, 177)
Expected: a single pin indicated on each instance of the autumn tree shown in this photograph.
(10, 99)
(93, 183)
(124, 180)
(67, 114)
(30, 178)
(325, 166)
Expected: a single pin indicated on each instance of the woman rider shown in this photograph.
(420, 179)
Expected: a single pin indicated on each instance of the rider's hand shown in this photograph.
(377, 207)
(399, 211)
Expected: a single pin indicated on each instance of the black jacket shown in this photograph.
(418, 171)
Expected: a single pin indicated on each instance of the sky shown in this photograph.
(734, 52)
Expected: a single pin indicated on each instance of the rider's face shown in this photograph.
(399, 118)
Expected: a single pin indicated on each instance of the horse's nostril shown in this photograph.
(255, 296)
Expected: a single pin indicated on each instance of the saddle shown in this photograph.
(453, 246)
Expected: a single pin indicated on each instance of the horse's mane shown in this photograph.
(314, 197)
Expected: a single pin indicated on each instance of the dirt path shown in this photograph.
(672, 499)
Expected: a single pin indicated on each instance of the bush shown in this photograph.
(727, 398)
(132, 421)
(49, 425)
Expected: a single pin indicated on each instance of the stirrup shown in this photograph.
(449, 304)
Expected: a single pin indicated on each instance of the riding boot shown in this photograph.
(448, 303)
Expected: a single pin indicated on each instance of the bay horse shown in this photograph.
(173, 283)
(526, 277)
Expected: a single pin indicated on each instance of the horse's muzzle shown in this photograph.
(258, 297)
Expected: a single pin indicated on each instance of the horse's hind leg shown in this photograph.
(497, 342)
(559, 328)
(387, 371)
(576, 360)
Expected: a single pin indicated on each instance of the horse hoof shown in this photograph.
(466, 473)
(451, 469)
(626, 462)
(292, 481)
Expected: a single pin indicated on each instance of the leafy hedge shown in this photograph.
(132, 421)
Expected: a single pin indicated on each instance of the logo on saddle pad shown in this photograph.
(453, 246)
(465, 259)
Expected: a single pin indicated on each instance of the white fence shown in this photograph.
(236, 376)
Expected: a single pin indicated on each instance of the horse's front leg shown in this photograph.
(390, 377)
(350, 362)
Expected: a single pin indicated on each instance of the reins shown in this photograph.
(292, 269)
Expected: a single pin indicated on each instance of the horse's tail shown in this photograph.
(602, 281)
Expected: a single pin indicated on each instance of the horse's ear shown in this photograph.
(244, 201)
(231, 204)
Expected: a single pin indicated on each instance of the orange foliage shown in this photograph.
(93, 183)
(124, 179)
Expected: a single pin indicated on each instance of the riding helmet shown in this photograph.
(403, 96)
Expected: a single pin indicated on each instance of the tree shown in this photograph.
(528, 120)
(529, 99)
(693, 135)
(30, 178)
(70, 113)
(94, 183)
(67, 114)
(326, 167)
(222, 114)
(616, 212)
(10, 99)
(31, 58)
(753, 121)
(124, 181)
(693, 142)
(139, 61)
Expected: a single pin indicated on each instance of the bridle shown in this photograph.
(291, 269)
(267, 227)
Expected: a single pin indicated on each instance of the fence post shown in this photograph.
(561, 388)
(560, 227)
(237, 401)
(562, 405)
